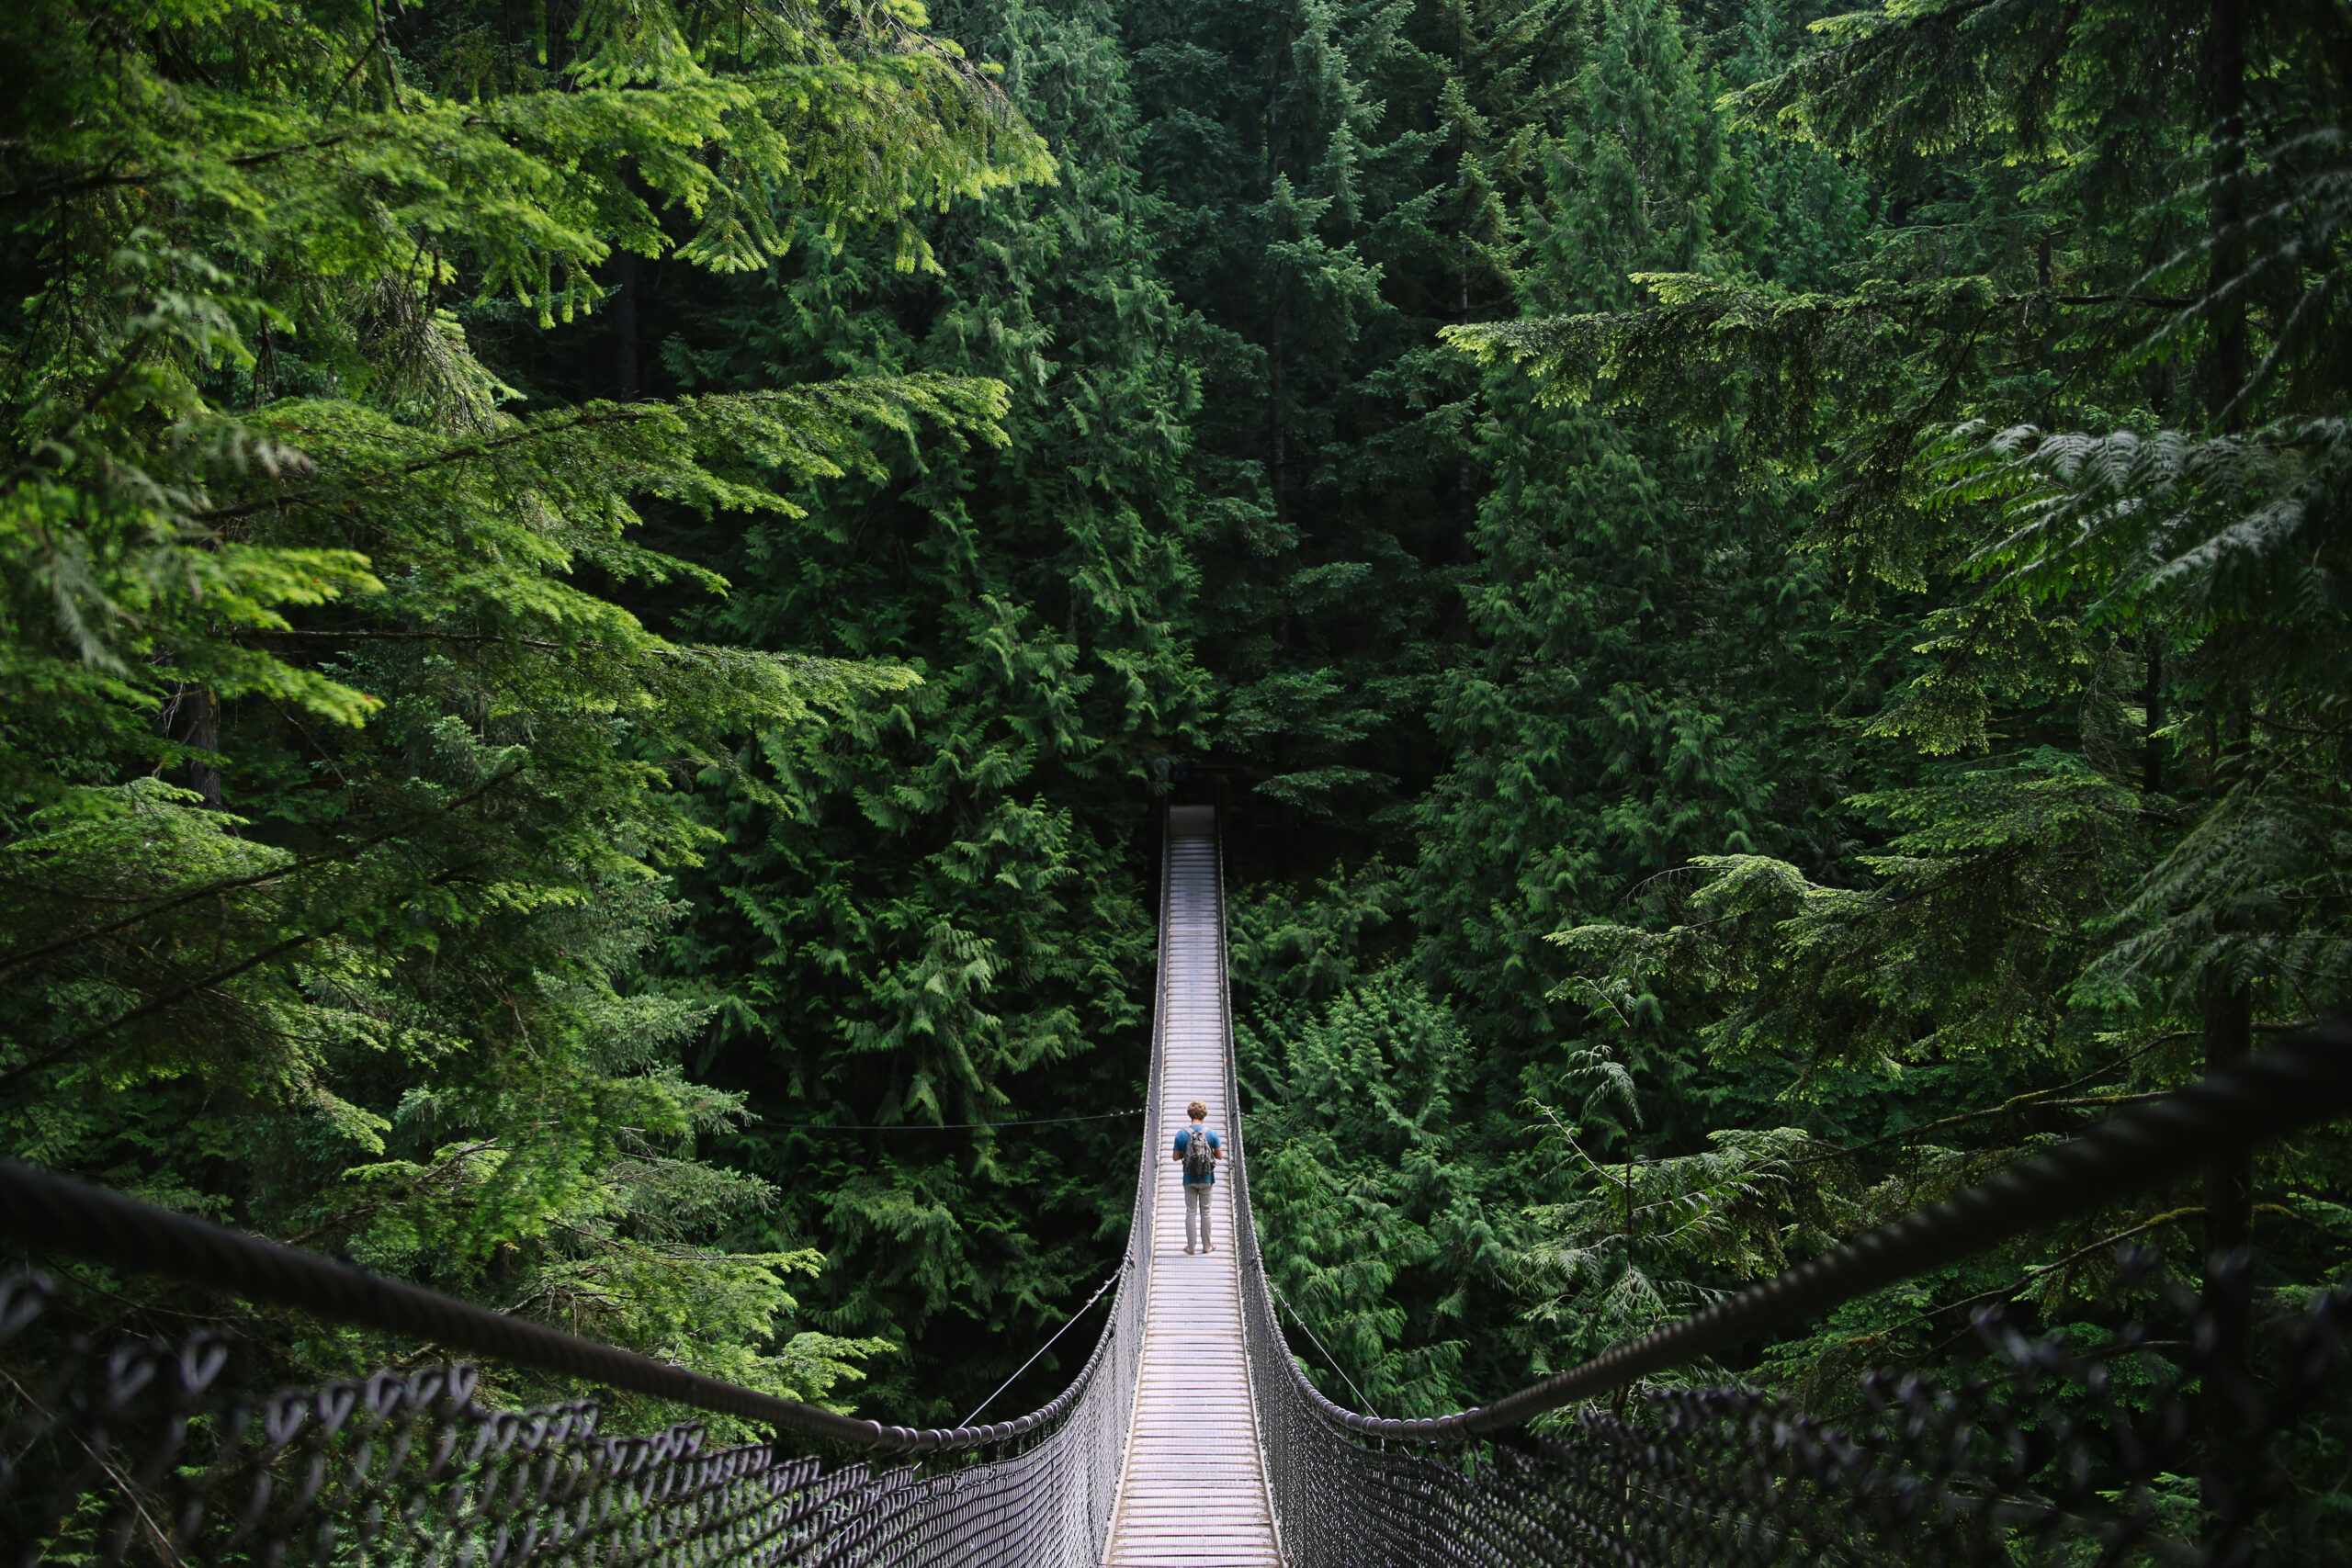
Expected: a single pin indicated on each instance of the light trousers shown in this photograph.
(1196, 1214)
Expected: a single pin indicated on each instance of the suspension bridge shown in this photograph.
(1192, 1434)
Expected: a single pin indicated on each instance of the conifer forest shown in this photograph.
(600, 598)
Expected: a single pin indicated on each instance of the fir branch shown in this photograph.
(2033, 1100)
(2032, 1275)
(163, 1003)
(261, 878)
(63, 188)
(464, 451)
(337, 487)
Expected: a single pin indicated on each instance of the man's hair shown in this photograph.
(1197, 1111)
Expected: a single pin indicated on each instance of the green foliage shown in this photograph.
(1619, 1254)
(1857, 758)
(1355, 1171)
(373, 980)
(2129, 650)
(932, 907)
(1654, 670)
(1341, 177)
(1977, 920)
(1766, 591)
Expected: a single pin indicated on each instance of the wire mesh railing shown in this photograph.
(2145, 1436)
(153, 1452)
(2048, 1450)
(162, 1452)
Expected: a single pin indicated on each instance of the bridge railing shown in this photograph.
(154, 1451)
(2061, 1448)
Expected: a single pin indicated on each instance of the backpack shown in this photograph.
(1199, 1160)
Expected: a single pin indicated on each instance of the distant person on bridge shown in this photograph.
(1198, 1148)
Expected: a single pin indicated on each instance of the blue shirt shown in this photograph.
(1184, 1141)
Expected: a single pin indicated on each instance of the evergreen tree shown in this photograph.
(2058, 409)
(932, 907)
(1355, 1178)
(1340, 174)
(338, 807)
(1655, 671)
(598, 602)
(1345, 177)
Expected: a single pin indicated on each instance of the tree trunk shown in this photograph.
(191, 715)
(2229, 1007)
(2229, 1281)
(204, 734)
(625, 324)
(2226, 220)
(1275, 396)
(1279, 455)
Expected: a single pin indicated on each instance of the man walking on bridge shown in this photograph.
(1198, 1148)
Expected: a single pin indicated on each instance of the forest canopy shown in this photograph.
(600, 601)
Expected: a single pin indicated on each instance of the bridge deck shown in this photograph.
(1194, 1489)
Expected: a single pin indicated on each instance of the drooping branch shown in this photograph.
(261, 878)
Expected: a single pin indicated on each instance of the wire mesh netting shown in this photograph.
(2125, 1439)
(2049, 1452)
(147, 1452)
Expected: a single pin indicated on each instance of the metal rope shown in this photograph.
(1300, 1319)
(408, 1460)
(2301, 1082)
(1048, 1345)
(48, 1212)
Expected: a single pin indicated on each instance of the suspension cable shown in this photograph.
(2305, 1080)
(49, 1213)
(1300, 1318)
(1048, 1345)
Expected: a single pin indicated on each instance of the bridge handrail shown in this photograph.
(2302, 1081)
(147, 1446)
(54, 1214)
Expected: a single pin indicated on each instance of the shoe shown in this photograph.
(1188, 1252)
(1210, 1248)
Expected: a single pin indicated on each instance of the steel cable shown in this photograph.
(2305, 1080)
(95, 1446)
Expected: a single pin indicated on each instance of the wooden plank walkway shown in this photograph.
(1194, 1489)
